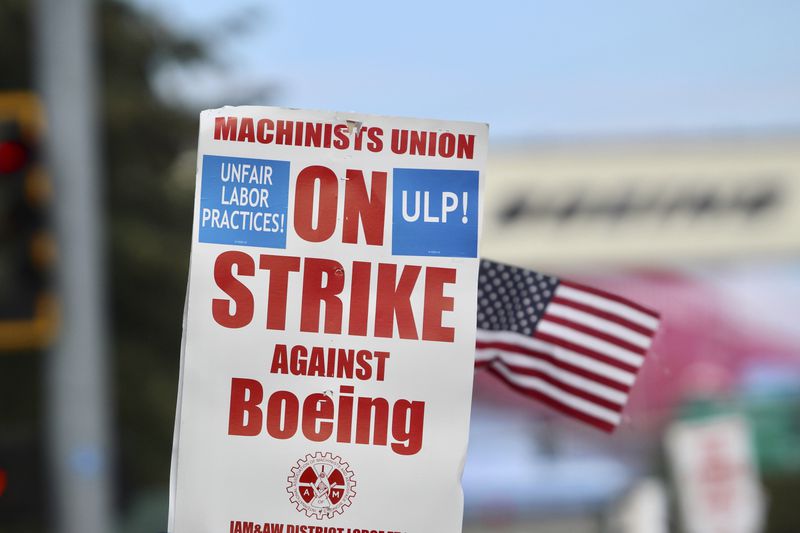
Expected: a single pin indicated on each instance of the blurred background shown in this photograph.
(648, 148)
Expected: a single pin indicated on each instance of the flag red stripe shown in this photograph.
(555, 404)
(522, 350)
(605, 315)
(609, 296)
(602, 335)
(580, 393)
(585, 351)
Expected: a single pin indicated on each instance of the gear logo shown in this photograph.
(321, 485)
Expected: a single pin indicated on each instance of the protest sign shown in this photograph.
(329, 333)
(716, 475)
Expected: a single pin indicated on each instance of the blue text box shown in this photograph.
(435, 212)
(244, 201)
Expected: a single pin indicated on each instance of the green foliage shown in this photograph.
(15, 45)
(148, 240)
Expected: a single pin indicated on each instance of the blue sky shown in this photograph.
(528, 68)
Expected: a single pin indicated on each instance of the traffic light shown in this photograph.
(28, 310)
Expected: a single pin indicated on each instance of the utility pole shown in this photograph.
(76, 370)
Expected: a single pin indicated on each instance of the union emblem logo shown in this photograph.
(321, 485)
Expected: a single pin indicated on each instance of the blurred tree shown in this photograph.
(149, 213)
(150, 231)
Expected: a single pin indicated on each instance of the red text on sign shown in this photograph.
(324, 283)
(316, 205)
(320, 417)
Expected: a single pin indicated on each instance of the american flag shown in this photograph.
(572, 347)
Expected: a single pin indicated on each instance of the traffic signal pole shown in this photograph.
(76, 372)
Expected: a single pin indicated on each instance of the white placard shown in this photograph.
(716, 475)
(329, 333)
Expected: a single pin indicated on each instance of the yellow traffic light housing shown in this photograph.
(28, 307)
